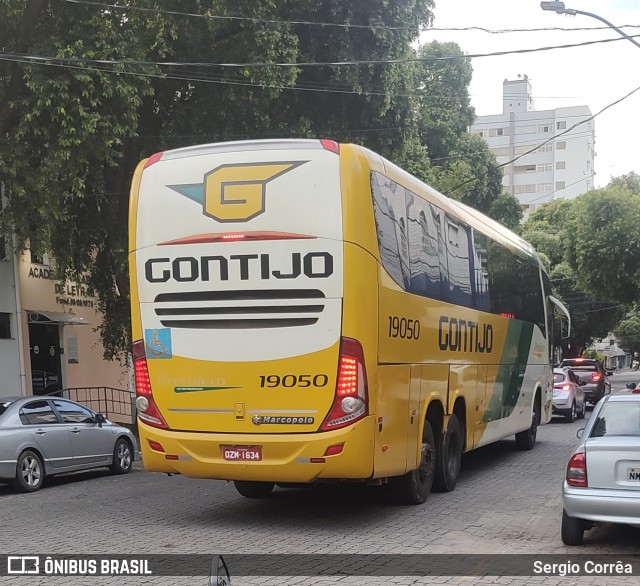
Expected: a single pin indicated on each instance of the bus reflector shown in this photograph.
(334, 450)
(156, 446)
(330, 145)
(351, 395)
(147, 409)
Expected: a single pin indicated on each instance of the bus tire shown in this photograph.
(414, 487)
(449, 457)
(253, 490)
(525, 440)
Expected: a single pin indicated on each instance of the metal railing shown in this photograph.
(118, 405)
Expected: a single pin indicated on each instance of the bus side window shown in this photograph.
(458, 263)
(389, 230)
(481, 276)
(426, 278)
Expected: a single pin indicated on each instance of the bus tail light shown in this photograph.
(350, 402)
(147, 409)
(577, 470)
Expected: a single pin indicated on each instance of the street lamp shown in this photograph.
(558, 7)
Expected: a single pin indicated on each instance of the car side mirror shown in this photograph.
(579, 433)
(631, 386)
(100, 419)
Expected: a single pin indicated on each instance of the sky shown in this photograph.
(594, 76)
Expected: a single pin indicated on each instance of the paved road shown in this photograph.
(506, 502)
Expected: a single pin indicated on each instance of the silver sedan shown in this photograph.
(43, 436)
(602, 483)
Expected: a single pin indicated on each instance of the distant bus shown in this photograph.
(306, 311)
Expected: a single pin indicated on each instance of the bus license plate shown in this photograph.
(633, 474)
(242, 453)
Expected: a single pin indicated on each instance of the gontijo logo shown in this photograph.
(235, 193)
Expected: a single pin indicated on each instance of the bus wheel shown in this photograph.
(449, 458)
(415, 486)
(253, 490)
(525, 440)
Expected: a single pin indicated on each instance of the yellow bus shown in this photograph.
(306, 311)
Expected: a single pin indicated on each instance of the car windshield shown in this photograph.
(618, 419)
(558, 377)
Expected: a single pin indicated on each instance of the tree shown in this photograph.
(462, 166)
(590, 318)
(630, 181)
(71, 133)
(628, 332)
(602, 241)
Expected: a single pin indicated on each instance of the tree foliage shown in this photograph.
(71, 132)
(628, 332)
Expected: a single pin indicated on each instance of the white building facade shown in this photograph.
(563, 167)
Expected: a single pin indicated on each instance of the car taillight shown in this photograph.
(577, 470)
(147, 409)
(596, 376)
(561, 387)
(350, 402)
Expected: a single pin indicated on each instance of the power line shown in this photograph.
(225, 17)
(263, 64)
(338, 25)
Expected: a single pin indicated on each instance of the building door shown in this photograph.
(46, 372)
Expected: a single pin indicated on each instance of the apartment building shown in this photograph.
(547, 168)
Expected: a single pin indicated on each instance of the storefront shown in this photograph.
(52, 342)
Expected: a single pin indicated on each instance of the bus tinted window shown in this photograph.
(428, 276)
(514, 284)
(459, 263)
(480, 274)
(391, 224)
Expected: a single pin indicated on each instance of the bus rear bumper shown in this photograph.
(296, 458)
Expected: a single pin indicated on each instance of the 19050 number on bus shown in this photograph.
(401, 327)
(292, 380)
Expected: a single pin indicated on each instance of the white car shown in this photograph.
(568, 395)
(602, 483)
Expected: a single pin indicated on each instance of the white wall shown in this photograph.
(9, 351)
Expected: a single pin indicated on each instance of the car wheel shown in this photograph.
(122, 457)
(572, 531)
(525, 440)
(29, 472)
(449, 459)
(570, 417)
(254, 490)
(583, 410)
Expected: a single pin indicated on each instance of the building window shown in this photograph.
(561, 145)
(72, 350)
(559, 185)
(519, 169)
(5, 326)
(525, 129)
(519, 150)
(561, 165)
(546, 148)
(37, 256)
(544, 168)
(561, 125)
(544, 127)
(543, 187)
(531, 188)
(496, 132)
(501, 151)
(482, 133)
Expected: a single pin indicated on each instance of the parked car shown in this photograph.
(633, 388)
(602, 482)
(593, 373)
(568, 396)
(43, 436)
